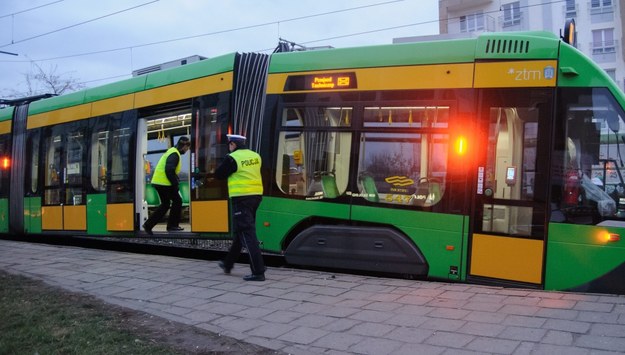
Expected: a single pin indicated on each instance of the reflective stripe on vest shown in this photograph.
(247, 179)
(159, 177)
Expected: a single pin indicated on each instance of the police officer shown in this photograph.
(245, 186)
(165, 181)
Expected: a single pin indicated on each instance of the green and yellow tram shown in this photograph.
(493, 159)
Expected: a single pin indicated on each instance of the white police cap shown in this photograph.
(235, 137)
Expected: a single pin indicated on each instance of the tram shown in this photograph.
(491, 160)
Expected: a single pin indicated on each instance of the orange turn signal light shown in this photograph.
(613, 237)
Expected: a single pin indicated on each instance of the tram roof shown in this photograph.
(541, 45)
(6, 113)
(208, 67)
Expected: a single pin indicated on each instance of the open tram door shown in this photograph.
(510, 202)
(204, 200)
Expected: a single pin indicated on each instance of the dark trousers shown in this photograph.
(244, 223)
(169, 198)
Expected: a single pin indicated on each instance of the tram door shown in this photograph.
(510, 204)
(64, 202)
(205, 207)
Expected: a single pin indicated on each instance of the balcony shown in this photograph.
(461, 5)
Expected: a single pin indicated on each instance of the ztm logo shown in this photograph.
(527, 74)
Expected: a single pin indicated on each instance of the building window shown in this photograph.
(603, 41)
(472, 22)
(511, 14)
(570, 9)
(601, 6)
(611, 73)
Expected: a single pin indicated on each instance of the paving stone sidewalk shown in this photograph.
(311, 312)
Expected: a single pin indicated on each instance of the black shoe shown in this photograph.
(147, 229)
(174, 229)
(252, 277)
(224, 268)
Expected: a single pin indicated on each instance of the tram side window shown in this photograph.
(313, 157)
(589, 184)
(404, 168)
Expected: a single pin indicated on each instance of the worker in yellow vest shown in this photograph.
(165, 180)
(245, 187)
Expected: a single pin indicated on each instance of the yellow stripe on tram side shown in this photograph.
(533, 73)
(188, 89)
(64, 115)
(192, 88)
(437, 76)
(112, 105)
(5, 127)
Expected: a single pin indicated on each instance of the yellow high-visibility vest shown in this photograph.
(159, 177)
(247, 179)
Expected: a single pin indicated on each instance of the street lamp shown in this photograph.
(9, 53)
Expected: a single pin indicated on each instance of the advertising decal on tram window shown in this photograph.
(321, 81)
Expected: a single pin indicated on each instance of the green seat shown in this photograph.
(183, 188)
(151, 196)
(369, 188)
(328, 184)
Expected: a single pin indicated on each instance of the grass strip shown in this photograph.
(39, 319)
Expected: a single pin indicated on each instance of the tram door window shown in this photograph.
(509, 180)
(588, 180)
(53, 171)
(211, 117)
(313, 154)
(74, 163)
(99, 152)
(404, 161)
(33, 142)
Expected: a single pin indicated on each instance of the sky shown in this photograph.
(96, 42)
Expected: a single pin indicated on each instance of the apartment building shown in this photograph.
(599, 24)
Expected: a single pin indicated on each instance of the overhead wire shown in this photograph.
(239, 29)
(30, 9)
(77, 24)
(207, 34)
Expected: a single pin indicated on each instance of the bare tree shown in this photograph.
(50, 82)
(41, 81)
